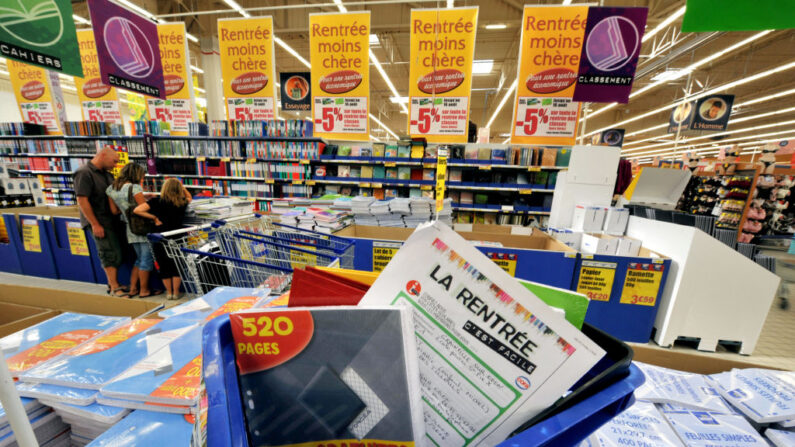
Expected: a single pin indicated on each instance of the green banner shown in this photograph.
(40, 32)
(738, 15)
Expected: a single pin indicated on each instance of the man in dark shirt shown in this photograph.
(91, 180)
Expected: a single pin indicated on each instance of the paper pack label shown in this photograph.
(491, 353)
(31, 239)
(642, 284)
(780, 438)
(762, 395)
(77, 239)
(596, 279)
(383, 252)
(640, 425)
(665, 385)
(704, 429)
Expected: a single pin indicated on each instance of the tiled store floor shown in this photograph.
(775, 349)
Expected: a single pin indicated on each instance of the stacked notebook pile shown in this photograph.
(360, 207)
(421, 211)
(50, 431)
(208, 210)
(88, 422)
(324, 220)
(400, 206)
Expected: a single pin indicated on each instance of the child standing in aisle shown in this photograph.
(167, 211)
(129, 183)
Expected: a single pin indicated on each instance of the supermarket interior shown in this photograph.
(397, 223)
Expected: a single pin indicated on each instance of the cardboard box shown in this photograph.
(597, 245)
(628, 246)
(589, 219)
(616, 221)
(68, 301)
(15, 317)
(684, 360)
(571, 238)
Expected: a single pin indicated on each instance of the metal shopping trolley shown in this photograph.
(247, 251)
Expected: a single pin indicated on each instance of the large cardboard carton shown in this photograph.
(64, 300)
(683, 360)
(15, 317)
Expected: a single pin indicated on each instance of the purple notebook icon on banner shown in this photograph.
(128, 47)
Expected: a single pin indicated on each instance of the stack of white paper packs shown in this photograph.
(88, 422)
(148, 429)
(49, 429)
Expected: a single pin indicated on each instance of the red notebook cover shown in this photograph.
(311, 288)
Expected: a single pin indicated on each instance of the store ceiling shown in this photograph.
(749, 54)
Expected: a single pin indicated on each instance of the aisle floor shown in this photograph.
(775, 348)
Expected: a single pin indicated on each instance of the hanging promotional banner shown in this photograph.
(712, 113)
(296, 91)
(128, 50)
(247, 68)
(98, 102)
(33, 89)
(611, 137)
(339, 46)
(178, 108)
(40, 33)
(610, 54)
(549, 57)
(440, 78)
(680, 117)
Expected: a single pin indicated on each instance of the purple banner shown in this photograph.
(128, 50)
(610, 54)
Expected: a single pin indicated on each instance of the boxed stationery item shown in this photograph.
(616, 221)
(594, 244)
(628, 246)
(589, 219)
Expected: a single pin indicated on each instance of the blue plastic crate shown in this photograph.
(567, 424)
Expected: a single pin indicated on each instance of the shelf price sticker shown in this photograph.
(506, 261)
(77, 239)
(31, 239)
(642, 284)
(596, 279)
(383, 252)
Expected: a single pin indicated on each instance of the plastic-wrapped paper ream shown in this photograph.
(706, 429)
(780, 438)
(34, 345)
(57, 393)
(102, 414)
(639, 425)
(145, 428)
(762, 395)
(218, 301)
(93, 364)
(665, 385)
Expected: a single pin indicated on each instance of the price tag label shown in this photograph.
(642, 284)
(77, 239)
(304, 162)
(390, 164)
(310, 183)
(269, 181)
(429, 165)
(377, 185)
(251, 160)
(485, 167)
(596, 279)
(507, 208)
(298, 182)
(201, 158)
(31, 239)
(526, 192)
(364, 185)
(426, 187)
(227, 159)
(534, 169)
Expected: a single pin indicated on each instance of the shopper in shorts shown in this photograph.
(125, 192)
(90, 181)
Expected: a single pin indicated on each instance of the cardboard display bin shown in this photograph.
(68, 301)
(15, 317)
(534, 256)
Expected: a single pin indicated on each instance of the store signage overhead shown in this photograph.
(98, 101)
(41, 33)
(609, 54)
(442, 51)
(737, 15)
(296, 91)
(247, 68)
(178, 109)
(339, 54)
(549, 60)
(128, 50)
(38, 95)
(710, 113)
(609, 137)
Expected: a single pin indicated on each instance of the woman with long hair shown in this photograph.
(167, 211)
(130, 178)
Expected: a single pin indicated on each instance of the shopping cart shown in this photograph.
(247, 251)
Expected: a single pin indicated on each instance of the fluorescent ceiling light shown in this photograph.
(399, 99)
(704, 93)
(191, 37)
(278, 85)
(664, 24)
(507, 140)
(373, 137)
(234, 5)
(340, 6)
(449, 3)
(80, 20)
(196, 69)
(372, 117)
(482, 66)
(3, 72)
(290, 50)
(386, 78)
(502, 102)
(505, 134)
(138, 9)
(670, 75)
(566, 2)
(374, 40)
(687, 147)
(497, 26)
(199, 89)
(684, 71)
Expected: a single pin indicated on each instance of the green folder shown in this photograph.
(574, 304)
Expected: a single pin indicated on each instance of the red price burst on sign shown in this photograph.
(427, 115)
(532, 117)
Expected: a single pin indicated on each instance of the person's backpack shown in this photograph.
(138, 225)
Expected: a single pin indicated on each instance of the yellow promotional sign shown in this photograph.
(124, 158)
(596, 279)
(383, 252)
(33, 88)
(77, 236)
(549, 58)
(178, 108)
(440, 74)
(31, 239)
(339, 45)
(247, 68)
(98, 102)
(642, 284)
(506, 261)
